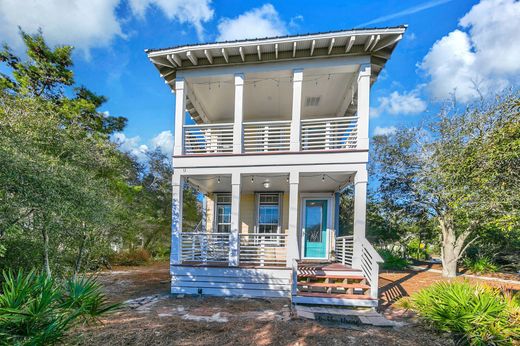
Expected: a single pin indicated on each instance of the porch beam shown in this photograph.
(177, 188)
(180, 115)
(293, 250)
(238, 119)
(234, 245)
(360, 208)
(296, 109)
(363, 105)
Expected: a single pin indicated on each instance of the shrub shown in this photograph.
(135, 257)
(38, 310)
(392, 260)
(474, 313)
(480, 265)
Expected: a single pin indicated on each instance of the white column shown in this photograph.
(296, 109)
(363, 105)
(234, 246)
(180, 115)
(177, 185)
(204, 220)
(239, 114)
(293, 249)
(360, 208)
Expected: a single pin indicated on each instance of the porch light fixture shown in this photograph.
(267, 184)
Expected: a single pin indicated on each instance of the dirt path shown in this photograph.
(165, 320)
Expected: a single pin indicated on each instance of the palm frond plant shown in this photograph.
(36, 309)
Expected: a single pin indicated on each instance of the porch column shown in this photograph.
(239, 116)
(293, 249)
(234, 240)
(296, 109)
(363, 105)
(360, 207)
(204, 213)
(177, 186)
(180, 115)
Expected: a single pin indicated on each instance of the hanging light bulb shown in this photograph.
(252, 179)
(287, 179)
(218, 180)
(323, 178)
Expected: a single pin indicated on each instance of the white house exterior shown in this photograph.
(271, 131)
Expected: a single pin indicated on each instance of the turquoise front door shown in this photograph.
(315, 228)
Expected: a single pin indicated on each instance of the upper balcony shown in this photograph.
(287, 95)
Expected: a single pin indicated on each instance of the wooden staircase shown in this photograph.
(331, 284)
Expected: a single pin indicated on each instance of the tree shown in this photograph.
(462, 168)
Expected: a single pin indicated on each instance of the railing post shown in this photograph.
(180, 115)
(296, 109)
(176, 240)
(344, 250)
(238, 131)
(327, 135)
(266, 138)
(360, 198)
(293, 252)
(363, 105)
(234, 245)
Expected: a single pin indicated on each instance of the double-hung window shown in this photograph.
(269, 213)
(223, 213)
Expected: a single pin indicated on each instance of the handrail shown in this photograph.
(329, 119)
(195, 126)
(267, 122)
(373, 251)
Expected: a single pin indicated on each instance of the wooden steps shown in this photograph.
(330, 284)
(329, 295)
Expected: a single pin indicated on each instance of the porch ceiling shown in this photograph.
(309, 182)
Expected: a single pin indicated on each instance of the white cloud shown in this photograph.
(256, 23)
(131, 145)
(384, 131)
(194, 12)
(399, 104)
(164, 142)
(482, 57)
(84, 24)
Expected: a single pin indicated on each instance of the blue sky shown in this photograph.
(450, 47)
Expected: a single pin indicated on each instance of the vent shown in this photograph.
(312, 101)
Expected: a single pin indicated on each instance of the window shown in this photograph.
(268, 220)
(223, 211)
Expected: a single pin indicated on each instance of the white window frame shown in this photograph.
(215, 212)
(257, 211)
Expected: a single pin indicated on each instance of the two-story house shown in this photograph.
(271, 131)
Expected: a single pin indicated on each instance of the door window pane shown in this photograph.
(313, 222)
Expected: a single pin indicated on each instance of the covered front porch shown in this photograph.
(274, 225)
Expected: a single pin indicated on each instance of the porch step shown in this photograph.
(336, 277)
(336, 284)
(336, 295)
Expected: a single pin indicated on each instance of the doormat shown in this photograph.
(334, 320)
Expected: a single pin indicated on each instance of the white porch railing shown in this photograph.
(370, 260)
(208, 138)
(263, 249)
(344, 249)
(204, 247)
(329, 133)
(267, 136)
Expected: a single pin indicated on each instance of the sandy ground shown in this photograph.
(166, 320)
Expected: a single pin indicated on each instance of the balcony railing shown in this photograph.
(208, 139)
(272, 136)
(344, 248)
(267, 136)
(329, 133)
(263, 249)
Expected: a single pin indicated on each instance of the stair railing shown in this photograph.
(370, 260)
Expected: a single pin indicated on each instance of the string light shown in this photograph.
(252, 179)
(218, 180)
(323, 178)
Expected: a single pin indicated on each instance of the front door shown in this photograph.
(315, 228)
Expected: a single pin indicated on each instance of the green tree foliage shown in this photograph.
(66, 192)
(462, 170)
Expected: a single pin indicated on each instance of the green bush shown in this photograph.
(135, 257)
(474, 313)
(392, 260)
(480, 265)
(38, 310)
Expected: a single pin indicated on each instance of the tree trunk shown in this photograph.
(79, 258)
(452, 247)
(45, 236)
